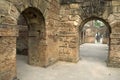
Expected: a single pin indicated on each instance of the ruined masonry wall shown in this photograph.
(114, 21)
(69, 33)
(52, 25)
(8, 36)
(50, 11)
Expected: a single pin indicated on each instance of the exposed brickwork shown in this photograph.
(114, 56)
(40, 51)
(69, 33)
(114, 21)
(53, 33)
(68, 18)
(8, 52)
(52, 25)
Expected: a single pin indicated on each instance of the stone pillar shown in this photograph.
(69, 43)
(114, 56)
(36, 49)
(8, 34)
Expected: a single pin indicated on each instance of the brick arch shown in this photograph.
(50, 13)
(32, 12)
(42, 5)
(107, 25)
(95, 18)
(9, 13)
(36, 35)
(41, 10)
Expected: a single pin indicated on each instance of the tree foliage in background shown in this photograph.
(98, 24)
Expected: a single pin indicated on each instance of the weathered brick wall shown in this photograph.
(62, 33)
(50, 11)
(8, 34)
(52, 26)
(10, 15)
(69, 33)
(69, 30)
(114, 56)
(7, 58)
(114, 20)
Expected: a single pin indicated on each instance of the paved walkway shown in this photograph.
(92, 66)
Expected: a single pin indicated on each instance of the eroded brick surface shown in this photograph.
(52, 33)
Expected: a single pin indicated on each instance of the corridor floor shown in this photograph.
(92, 66)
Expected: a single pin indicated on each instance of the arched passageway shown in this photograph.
(94, 39)
(32, 36)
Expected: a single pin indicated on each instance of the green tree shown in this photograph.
(98, 24)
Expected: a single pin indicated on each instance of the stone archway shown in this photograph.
(32, 35)
(106, 25)
(95, 18)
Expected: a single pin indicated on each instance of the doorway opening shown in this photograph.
(94, 40)
(31, 37)
(30, 44)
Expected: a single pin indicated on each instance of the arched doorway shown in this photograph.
(32, 36)
(89, 47)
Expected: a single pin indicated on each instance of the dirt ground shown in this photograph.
(92, 66)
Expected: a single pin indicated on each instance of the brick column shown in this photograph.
(8, 34)
(114, 56)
